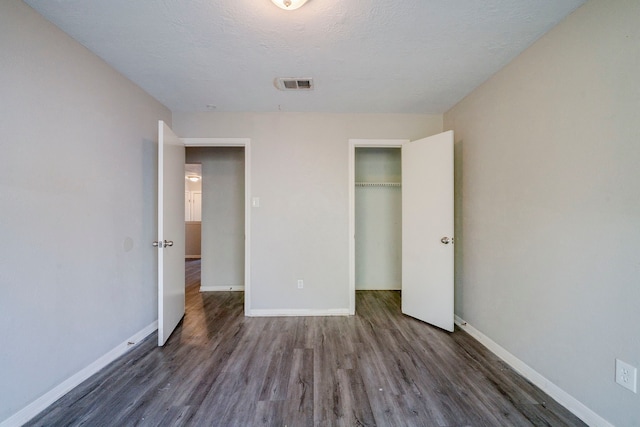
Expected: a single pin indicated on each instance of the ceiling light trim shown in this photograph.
(289, 4)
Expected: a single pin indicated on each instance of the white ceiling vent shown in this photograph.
(290, 83)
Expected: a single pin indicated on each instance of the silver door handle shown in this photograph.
(168, 243)
(447, 240)
(157, 244)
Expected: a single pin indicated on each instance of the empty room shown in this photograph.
(434, 214)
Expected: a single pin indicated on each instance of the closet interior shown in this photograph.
(378, 218)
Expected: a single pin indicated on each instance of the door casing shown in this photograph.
(353, 144)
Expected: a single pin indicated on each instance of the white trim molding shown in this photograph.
(562, 397)
(44, 401)
(299, 312)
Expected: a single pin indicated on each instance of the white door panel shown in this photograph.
(427, 218)
(196, 206)
(171, 292)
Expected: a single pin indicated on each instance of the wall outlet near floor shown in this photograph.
(627, 375)
(300, 283)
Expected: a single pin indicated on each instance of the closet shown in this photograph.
(406, 242)
(378, 218)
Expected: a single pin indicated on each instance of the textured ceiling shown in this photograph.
(365, 56)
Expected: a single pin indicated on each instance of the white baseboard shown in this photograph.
(562, 397)
(227, 288)
(298, 312)
(41, 403)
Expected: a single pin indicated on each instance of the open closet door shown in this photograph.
(170, 243)
(427, 230)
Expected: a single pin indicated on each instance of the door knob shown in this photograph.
(168, 243)
(447, 240)
(157, 244)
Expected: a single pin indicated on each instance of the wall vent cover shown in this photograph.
(291, 83)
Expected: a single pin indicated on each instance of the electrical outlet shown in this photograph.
(300, 283)
(626, 375)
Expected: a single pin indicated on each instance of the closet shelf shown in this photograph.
(377, 184)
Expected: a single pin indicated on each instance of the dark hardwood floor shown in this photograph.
(378, 368)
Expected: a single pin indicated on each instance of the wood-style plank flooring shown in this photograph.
(378, 368)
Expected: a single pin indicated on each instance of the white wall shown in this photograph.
(192, 239)
(548, 219)
(222, 215)
(77, 198)
(299, 171)
(378, 219)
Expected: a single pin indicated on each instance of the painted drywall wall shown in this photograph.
(222, 241)
(548, 219)
(192, 239)
(192, 186)
(77, 197)
(300, 173)
(378, 219)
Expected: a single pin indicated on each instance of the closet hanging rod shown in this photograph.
(377, 184)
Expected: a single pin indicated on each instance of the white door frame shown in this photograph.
(353, 144)
(246, 143)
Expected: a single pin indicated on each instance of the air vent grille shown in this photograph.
(290, 83)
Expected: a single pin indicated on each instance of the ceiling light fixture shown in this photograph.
(193, 178)
(289, 4)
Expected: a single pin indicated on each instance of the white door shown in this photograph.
(171, 156)
(187, 206)
(196, 206)
(427, 230)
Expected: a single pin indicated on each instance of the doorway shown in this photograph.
(376, 174)
(426, 250)
(171, 227)
(239, 191)
(222, 217)
(192, 210)
(378, 219)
